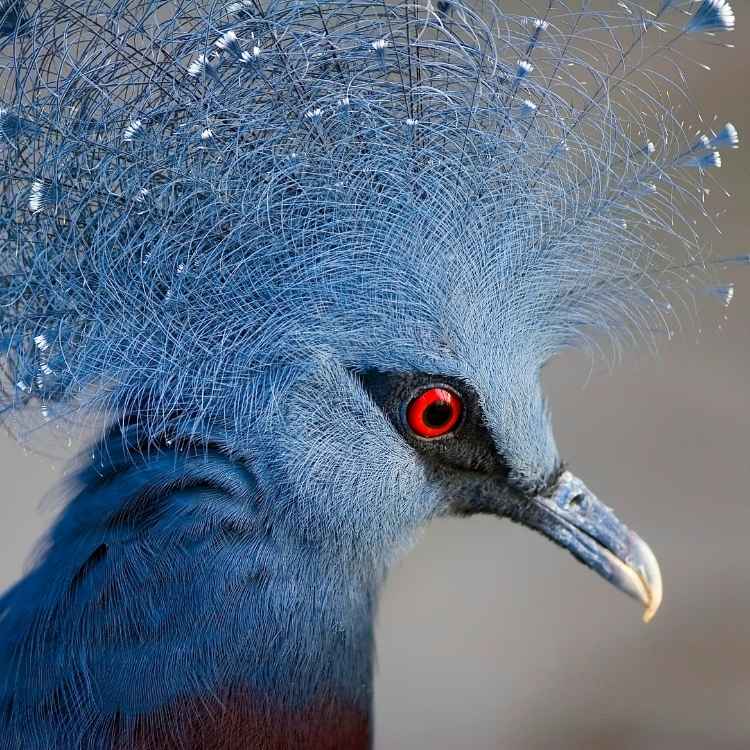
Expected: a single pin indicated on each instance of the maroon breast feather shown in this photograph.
(238, 720)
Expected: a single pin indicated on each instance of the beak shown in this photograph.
(572, 516)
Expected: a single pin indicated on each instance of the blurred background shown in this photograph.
(491, 637)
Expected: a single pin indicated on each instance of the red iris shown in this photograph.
(434, 412)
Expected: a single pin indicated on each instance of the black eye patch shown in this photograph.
(467, 446)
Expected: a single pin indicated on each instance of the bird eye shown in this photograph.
(434, 412)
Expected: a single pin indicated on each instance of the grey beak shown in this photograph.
(573, 517)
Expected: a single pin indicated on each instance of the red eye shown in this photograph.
(434, 413)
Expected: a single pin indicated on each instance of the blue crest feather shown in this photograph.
(195, 192)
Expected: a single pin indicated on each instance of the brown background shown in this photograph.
(489, 636)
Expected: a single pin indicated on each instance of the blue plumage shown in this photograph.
(162, 580)
(217, 222)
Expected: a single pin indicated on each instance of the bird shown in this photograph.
(293, 269)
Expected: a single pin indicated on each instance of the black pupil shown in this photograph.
(437, 414)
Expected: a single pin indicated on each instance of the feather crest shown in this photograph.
(219, 190)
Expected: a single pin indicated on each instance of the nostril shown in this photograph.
(578, 502)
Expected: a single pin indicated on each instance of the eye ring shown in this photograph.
(434, 412)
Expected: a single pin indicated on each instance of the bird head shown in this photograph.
(430, 411)
(348, 236)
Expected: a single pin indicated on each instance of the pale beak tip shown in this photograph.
(648, 615)
(649, 572)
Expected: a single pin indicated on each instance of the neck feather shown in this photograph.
(170, 613)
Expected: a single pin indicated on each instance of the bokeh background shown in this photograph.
(490, 637)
